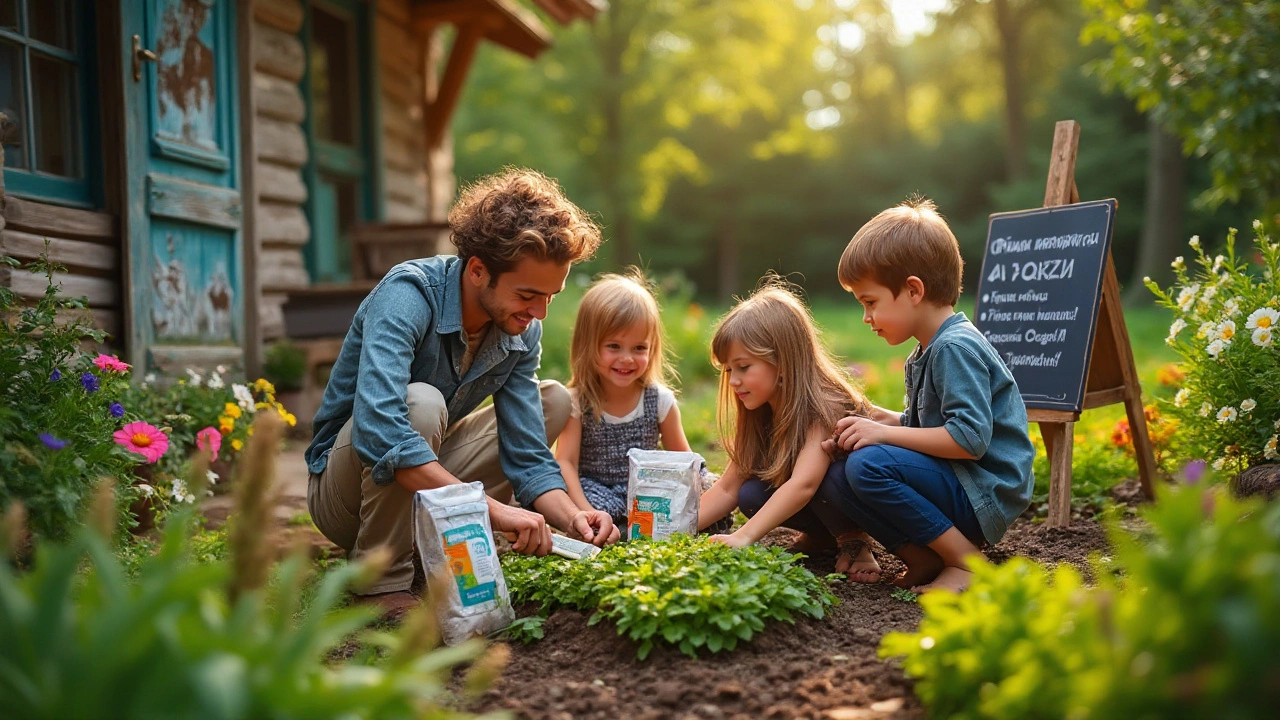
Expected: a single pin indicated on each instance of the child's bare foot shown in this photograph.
(810, 544)
(951, 579)
(856, 560)
(923, 565)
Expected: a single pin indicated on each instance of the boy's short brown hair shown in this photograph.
(505, 217)
(905, 240)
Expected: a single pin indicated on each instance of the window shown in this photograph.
(337, 126)
(44, 97)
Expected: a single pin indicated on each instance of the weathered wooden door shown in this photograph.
(184, 202)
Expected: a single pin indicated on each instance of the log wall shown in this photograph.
(282, 227)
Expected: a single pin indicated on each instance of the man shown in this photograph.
(435, 338)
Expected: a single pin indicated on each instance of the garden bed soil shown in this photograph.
(813, 669)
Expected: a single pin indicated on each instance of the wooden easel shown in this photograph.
(1113, 377)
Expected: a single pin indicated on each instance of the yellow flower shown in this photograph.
(226, 424)
(237, 444)
(231, 410)
(263, 385)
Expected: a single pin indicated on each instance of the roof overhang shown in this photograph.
(504, 22)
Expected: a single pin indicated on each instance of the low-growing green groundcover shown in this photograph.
(686, 591)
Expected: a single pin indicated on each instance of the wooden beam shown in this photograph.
(440, 111)
(72, 253)
(287, 14)
(39, 217)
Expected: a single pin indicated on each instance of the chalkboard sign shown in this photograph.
(1038, 296)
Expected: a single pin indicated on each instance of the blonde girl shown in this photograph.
(781, 394)
(620, 393)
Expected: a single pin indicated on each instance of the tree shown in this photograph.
(1208, 71)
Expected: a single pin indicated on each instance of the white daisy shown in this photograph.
(1209, 293)
(1178, 326)
(243, 396)
(1227, 414)
(1232, 306)
(179, 489)
(1248, 405)
(1205, 409)
(1263, 317)
(1215, 348)
(1262, 337)
(1269, 450)
(1218, 262)
(1257, 225)
(147, 490)
(211, 476)
(1181, 399)
(1205, 329)
(1226, 331)
(1194, 242)
(149, 378)
(196, 378)
(215, 382)
(1178, 263)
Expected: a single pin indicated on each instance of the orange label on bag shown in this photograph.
(640, 523)
(460, 561)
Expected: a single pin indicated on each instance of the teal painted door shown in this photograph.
(184, 209)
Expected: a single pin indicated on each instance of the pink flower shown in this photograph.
(111, 362)
(144, 439)
(209, 439)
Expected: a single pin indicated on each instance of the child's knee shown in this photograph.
(866, 467)
(752, 496)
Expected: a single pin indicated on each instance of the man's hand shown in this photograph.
(533, 537)
(735, 540)
(855, 433)
(593, 526)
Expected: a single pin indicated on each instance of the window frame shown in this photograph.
(29, 182)
(359, 163)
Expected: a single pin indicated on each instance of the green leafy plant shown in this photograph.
(685, 591)
(285, 364)
(525, 630)
(58, 409)
(210, 638)
(1183, 623)
(1226, 328)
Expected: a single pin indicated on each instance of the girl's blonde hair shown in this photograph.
(775, 326)
(614, 303)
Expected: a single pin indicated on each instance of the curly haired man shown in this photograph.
(434, 339)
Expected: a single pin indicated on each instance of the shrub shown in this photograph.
(285, 365)
(1226, 328)
(58, 409)
(1184, 624)
(685, 591)
(207, 640)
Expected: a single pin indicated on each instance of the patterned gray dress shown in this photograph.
(602, 458)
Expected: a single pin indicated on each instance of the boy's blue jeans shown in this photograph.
(896, 495)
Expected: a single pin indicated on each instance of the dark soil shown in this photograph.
(813, 669)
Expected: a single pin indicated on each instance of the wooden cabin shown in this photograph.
(218, 173)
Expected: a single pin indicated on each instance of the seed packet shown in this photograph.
(453, 535)
(663, 492)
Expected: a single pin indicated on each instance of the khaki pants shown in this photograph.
(359, 515)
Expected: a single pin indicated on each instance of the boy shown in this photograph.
(953, 470)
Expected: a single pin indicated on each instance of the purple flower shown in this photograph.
(1193, 472)
(55, 376)
(90, 382)
(52, 442)
(117, 410)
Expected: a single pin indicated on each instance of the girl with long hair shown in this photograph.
(781, 394)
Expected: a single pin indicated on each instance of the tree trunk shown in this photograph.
(1009, 27)
(617, 210)
(1161, 237)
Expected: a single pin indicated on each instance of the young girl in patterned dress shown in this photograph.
(620, 393)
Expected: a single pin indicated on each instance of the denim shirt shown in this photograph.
(408, 330)
(959, 382)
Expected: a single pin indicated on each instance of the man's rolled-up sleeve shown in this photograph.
(522, 442)
(964, 389)
(395, 322)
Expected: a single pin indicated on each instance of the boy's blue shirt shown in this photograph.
(959, 382)
(409, 329)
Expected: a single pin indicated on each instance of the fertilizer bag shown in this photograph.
(663, 492)
(452, 532)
